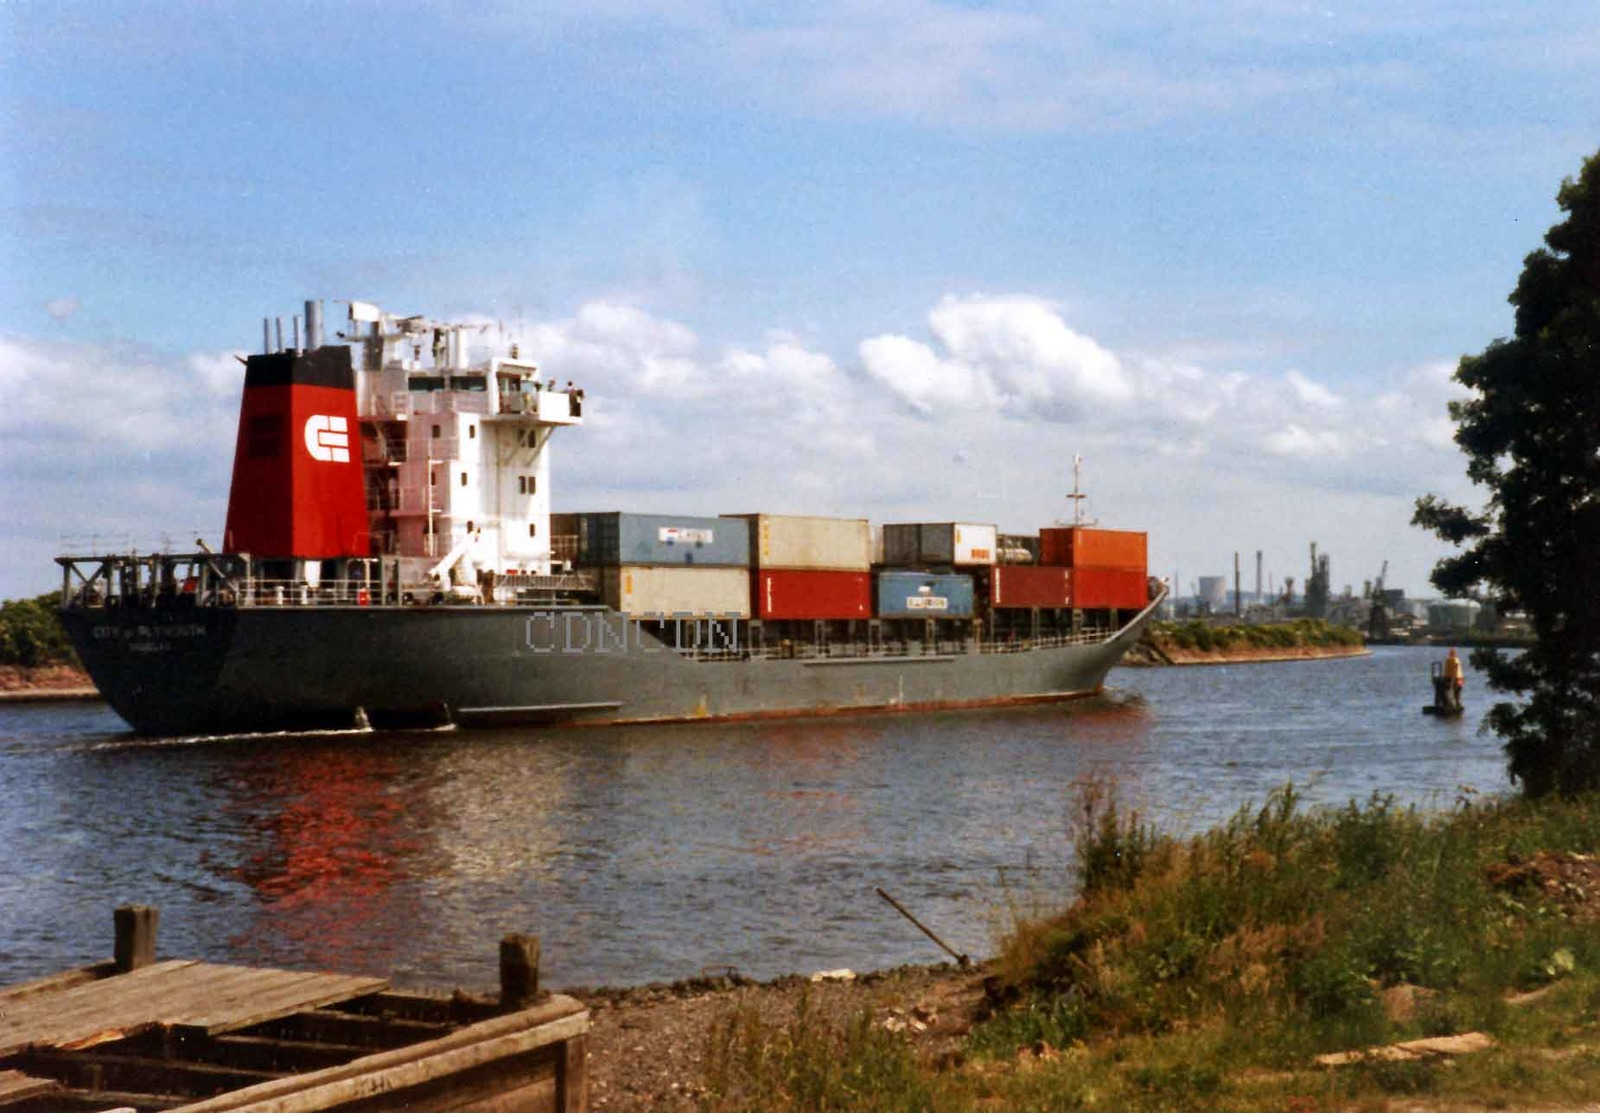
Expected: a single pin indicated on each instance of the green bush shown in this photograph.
(1289, 921)
(31, 634)
(1303, 632)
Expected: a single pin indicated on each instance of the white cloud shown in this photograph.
(119, 394)
(1013, 352)
(979, 421)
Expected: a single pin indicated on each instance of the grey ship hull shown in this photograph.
(226, 670)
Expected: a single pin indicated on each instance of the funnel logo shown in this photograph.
(328, 438)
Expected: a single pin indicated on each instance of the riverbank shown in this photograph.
(59, 682)
(1199, 642)
(671, 1047)
(1357, 959)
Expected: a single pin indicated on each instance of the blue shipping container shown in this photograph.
(634, 539)
(909, 593)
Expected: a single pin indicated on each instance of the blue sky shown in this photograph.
(887, 259)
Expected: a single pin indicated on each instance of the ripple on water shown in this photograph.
(643, 854)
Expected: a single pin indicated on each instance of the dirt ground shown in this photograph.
(648, 1046)
(57, 677)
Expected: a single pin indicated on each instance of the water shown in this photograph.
(656, 853)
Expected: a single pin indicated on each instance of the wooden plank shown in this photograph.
(56, 982)
(66, 1100)
(117, 1006)
(98, 1070)
(556, 1021)
(572, 1076)
(331, 1026)
(327, 990)
(288, 1056)
(521, 1083)
(210, 997)
(17, 1087)
(74, 1013)
(457, 1009)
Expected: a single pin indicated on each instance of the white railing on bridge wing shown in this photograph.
(127, 542)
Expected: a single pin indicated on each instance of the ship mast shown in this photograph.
(1077, 495)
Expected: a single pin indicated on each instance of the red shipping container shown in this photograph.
(1029, 587)
(1093, 547)
(1096, 587)
(811, 595)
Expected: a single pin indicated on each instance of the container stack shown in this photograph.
(667, 566)
(1107, 569)
(934, 570)
(809, 568)
(913, 595)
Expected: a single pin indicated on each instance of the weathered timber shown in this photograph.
(139, 1034)
(55, 983)
(522, 1083)
(519, 970)
(352, 1028)
(366, 1083)
(100, 1070)
(459, 1008)
(572, 1076)
(174, 994)
(16, 1087)
(247, 1052)
(102, 1101)
(135, 927)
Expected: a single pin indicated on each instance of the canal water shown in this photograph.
(646, 854)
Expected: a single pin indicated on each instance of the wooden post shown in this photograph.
(519, 970)
(572, 1076)
(135, 936)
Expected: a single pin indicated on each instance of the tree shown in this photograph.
(1531, 433)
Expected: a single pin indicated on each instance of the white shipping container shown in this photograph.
(946, 544)
(960, 544)
(810, 543)
(677, 591)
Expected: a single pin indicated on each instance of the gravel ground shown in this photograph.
(648, 1046)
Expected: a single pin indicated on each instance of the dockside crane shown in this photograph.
(1378, 619)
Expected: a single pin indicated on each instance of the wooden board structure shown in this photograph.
(204, 1037)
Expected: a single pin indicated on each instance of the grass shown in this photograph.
(1208, 972)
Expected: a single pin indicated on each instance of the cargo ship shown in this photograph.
(391, 557)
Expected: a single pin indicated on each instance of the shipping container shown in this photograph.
(677, 591)
(939, 544)
(1097, 587)
(910, 593)
(1092, 546)
(811, 595)
(1029, 587)
(809, 543)
(626, 539)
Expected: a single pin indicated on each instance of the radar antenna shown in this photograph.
(1077, 495)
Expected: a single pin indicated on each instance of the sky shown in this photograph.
(901, 259)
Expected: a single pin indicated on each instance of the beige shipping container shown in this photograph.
(677, 591)
(810, 543)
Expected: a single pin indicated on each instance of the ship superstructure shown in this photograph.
(399, 443)
(390, 555)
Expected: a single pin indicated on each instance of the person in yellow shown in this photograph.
(1455, 678)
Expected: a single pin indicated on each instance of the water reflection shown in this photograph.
(643, 854)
